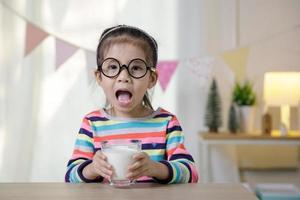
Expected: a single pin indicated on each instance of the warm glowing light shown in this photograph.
(282, 89)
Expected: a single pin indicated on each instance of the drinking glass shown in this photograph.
(119, 154)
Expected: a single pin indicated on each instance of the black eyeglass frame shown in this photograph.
(152, 69)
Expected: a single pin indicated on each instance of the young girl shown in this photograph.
(126, 59)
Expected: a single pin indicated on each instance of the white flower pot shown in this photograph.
(247, 118)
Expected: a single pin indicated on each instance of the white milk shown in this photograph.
(120, 157)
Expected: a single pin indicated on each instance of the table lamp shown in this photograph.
(282, 89)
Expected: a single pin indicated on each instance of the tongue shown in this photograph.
(124, 97)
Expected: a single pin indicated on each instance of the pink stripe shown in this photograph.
(86, 126)
(96, 113)
(194, 173)
(154, 139)
(176, 150)
(79, 153)
(180, 151)
(173, 122)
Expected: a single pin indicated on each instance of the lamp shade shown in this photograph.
(282, 88)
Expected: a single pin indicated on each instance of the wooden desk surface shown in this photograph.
(141, 191)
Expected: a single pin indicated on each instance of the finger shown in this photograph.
(136, 169)
(100, 164)
(101, 160)
(99, 154)
(137, 173)
(105, 164)
(136, 165)
(139, 156)
(104, 172)
(105, 175)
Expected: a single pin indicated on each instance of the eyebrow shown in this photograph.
(129, 60)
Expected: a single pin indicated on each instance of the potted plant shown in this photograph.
(244, 97)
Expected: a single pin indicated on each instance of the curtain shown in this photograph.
(42, 103)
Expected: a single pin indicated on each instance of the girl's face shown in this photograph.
(124, 92)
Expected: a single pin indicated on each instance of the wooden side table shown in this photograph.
(207, 139)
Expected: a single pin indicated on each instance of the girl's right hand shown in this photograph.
(99, 166)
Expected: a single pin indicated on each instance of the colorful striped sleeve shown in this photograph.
(180, 163)
(82, 154)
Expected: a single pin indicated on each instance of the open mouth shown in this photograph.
(123, 96)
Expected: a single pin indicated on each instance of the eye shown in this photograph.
(137, 68)
(112, 67)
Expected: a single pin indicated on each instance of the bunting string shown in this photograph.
(14, 12)
(200, 67)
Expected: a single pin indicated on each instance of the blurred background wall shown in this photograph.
(42, 102)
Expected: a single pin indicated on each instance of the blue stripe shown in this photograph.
(73, 177)
(85, 143)
(71, 164)
(189, 168)
(154, 146)
(157, 157)
(129, 125)
(176, 139)
(178, 172)
(73, 160)
(182, 156)
(69, 172)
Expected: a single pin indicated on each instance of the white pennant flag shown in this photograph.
(64, 50)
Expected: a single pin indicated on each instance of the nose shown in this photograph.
(124, 75)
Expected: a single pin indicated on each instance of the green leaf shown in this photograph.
(243, 94)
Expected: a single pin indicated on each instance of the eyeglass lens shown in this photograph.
(136, 68)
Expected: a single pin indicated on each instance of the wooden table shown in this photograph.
(140, 191)
(208, 139)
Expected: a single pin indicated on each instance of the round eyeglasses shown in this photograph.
(137, 68)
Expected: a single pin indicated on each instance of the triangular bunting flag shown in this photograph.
(200, 67)
(237, 60)
(34, 36)
(64, 50)
(166, 70)
(91, 65)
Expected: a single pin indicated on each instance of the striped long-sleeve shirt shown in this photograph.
(160, 134)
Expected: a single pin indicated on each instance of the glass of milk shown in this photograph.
(119, 154)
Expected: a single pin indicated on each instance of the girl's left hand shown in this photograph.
(142, 166)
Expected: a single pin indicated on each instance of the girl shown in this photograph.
(126, 59)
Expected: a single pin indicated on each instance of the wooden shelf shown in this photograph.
(206, 140)
(293, 135)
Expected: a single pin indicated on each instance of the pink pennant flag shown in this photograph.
(166, 70)
(64, 50)
(91, 64)
(34, 36)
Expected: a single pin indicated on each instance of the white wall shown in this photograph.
(273, 35)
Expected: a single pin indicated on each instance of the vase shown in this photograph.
(247, 118)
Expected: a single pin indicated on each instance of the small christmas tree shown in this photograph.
(232, 120)
(213, 117)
